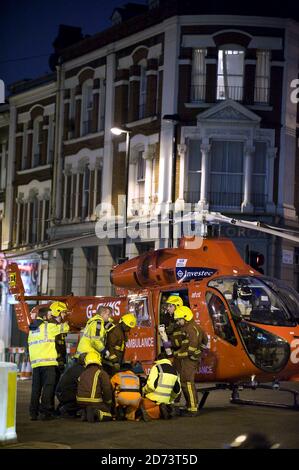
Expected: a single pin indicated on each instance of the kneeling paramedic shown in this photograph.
(187, 356)
(127, 396)
(161, 389)
(94, 394)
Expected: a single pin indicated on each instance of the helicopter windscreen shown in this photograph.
(256, 301)
(289, 295)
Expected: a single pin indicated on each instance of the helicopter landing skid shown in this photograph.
(235, 398)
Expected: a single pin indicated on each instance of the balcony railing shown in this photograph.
(258, 200)
(230, 92)
(262, 95)
(223, 199)
(198, 93)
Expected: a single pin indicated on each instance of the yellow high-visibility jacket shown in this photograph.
(163, 383)
(94, 336)
(41, 342)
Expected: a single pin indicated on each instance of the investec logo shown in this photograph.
(194, 273)
(2, 92)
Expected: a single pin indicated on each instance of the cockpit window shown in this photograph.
(253, 300)
(289, 296)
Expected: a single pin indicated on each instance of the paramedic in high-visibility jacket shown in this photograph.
(43, 357)
(95, 334)
(163, 386)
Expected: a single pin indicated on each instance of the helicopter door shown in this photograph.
(224, 341)
(141, 343)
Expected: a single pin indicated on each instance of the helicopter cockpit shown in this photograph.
(257, 301)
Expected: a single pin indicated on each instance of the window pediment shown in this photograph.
(229, 111)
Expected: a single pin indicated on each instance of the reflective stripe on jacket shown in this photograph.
(41, 343)
(190, 343)
(116, 342)
(163, 383)
(125, 381)
(94, 386)
(94, 336)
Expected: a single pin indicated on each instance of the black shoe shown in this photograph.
(82, 414)
(120, 414)
(144, 414)
(171, 411)
(90, 414)
(164, 411)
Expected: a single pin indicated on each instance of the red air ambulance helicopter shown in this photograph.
(252, 321)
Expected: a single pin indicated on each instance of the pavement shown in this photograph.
(218, 423)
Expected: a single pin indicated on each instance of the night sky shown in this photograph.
(28, 27)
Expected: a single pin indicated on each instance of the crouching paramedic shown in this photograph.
(187, 356)
(117, 337)
(66, 389)
(127, 396)
(161, 389)
(94, 394)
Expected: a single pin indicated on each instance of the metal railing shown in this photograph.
(230, 92)
(225, 199)
(258, 200)
(261, 95)
(198, 93)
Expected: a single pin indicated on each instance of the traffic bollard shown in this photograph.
(8, 402)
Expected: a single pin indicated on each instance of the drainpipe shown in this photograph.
(58, 163)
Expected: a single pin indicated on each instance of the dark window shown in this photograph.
(220, 319)
(91, 254)
(67, 258)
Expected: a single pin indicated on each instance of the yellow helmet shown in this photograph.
(58, 307)
(183, 312)
(175, 300)
(92, 358)
(129, 319)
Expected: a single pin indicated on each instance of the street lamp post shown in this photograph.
(118, 131)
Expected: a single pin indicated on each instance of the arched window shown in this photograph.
(142, 92)
(87, 107)
(230, 74)
(37, 141)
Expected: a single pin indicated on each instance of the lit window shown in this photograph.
(226, 177)
(230, 74)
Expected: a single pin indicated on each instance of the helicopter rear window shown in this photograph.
(139, 307)
(251, 299)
